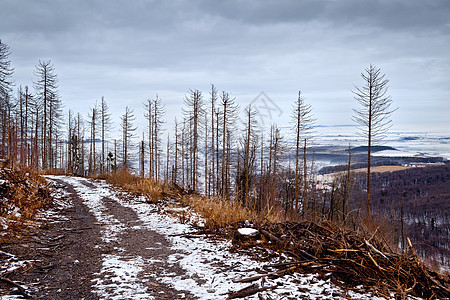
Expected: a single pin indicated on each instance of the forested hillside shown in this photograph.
(421, 198)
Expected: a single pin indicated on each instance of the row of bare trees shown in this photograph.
(221, 152)
(216, 149)
(30, 122)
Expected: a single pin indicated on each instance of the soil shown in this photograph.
(67, 255)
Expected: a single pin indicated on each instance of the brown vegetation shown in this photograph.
(216, 212)
(152, 190)
(374, 169)
(354, 256)
(22, 194)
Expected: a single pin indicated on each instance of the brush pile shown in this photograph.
(351, 256)
(22, 194)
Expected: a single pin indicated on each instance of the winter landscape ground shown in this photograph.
(99, 243)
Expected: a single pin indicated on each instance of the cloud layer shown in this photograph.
(129, 51)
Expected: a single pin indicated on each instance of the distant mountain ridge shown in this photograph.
(373, 148)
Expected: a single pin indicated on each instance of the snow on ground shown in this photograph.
(10, 263)
(61, 201)
(119, 278)
(247, 231)
(397, 153)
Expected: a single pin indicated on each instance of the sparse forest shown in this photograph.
(215, 150)
(219, 150)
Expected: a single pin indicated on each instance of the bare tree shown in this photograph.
(347, 185)
(93, 120)
(149, 116)
(302, 123)
(194, 112)
(70, 143)
(55, 121)
(183, 155)
(250, 140)
(212, 144)
(127, 134)
(276, 150)
(175, 170)
(80, 134)
(47, 93)
(74, 144)
(35, 115)
(28, 102)
(262, 185)
(158, 113)
(5, 90)
(5, 71)
(229, 114)
(154, 112)
(105, 117)
(373, 114)
(142, 156)
(20, 112)
(207, 191)
(166, 178)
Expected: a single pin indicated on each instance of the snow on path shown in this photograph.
(208, 265)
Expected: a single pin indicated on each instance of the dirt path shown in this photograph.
(85, 255)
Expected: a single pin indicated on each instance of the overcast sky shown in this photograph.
(128, 51)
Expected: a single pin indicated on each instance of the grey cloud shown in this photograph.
(120, 47)
(265, 12)
(165, 16)
(393, 14)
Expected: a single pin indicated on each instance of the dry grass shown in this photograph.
(22, 194)
(218, 212)
(382, 169)
(152, 190)
(215, 211)
(374, 169)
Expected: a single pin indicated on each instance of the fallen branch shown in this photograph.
(256, 277)
(292, 263)
(312, 257)
(354, 257)
(7, 254)
(375, 249)
(374, 262)
(249, 290)
(270, 236)
(343, 250)
(21, 289)
(426, 273)
(57, 238)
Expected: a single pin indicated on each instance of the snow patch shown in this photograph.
(248, 231)
(397, 153)
(118, 278)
